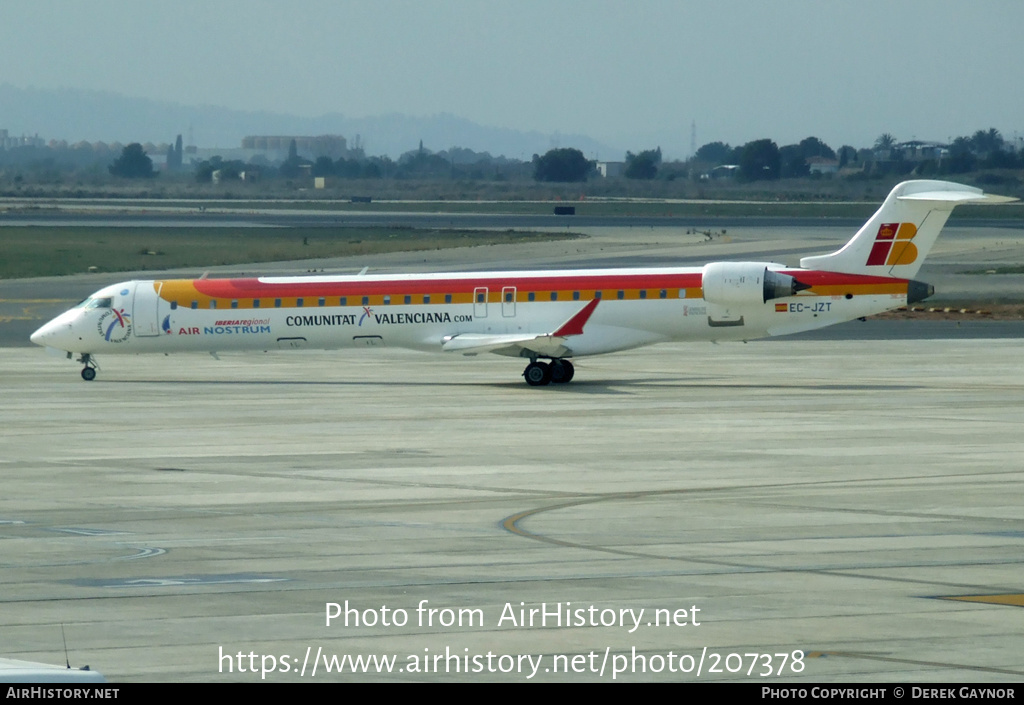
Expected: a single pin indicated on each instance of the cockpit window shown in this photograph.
(97, 302)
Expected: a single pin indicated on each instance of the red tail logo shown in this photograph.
(893, 245)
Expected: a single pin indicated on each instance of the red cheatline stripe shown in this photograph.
(253, 288)
(818, 278)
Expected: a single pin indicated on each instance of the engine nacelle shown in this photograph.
(733, 283)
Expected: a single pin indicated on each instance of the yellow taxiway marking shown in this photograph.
(33, 301)
(27, 312)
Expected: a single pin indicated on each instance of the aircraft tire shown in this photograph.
(537, 374)
(88, 373)
(562, 371)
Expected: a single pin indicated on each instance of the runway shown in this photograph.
(802, 508)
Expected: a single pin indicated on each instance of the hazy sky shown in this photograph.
(633, 74)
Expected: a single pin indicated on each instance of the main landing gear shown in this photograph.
(538, 374)
(89, 371)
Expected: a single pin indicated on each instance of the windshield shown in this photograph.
(97, 302)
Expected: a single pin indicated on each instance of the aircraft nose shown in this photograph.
(50, 335)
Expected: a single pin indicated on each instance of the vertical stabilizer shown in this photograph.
(897, 238)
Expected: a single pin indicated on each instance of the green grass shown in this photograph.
(53, 251)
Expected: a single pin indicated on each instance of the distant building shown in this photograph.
(722, 171)
(274, 148)
(822, 165)
(918, 151)
(611, 170)
(913, 151)
(8, 142)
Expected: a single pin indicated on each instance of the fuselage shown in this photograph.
(421, 311)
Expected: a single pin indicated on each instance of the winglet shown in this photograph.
(574, 326)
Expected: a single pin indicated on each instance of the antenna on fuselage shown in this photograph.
(205, 274)
(363, 271)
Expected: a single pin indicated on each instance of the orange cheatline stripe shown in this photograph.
(897, 286)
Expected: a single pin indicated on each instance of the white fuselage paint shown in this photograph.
(150, 324)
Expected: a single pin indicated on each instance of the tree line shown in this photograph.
(763, 159)
(757, 160)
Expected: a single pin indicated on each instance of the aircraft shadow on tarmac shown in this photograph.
(612, 387)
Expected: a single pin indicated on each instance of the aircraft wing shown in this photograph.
(474, 343)
(552, 344)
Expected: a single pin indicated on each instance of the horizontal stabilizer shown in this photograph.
(981, 199)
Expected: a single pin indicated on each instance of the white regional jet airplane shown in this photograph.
(548, 317)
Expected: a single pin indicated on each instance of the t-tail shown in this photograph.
(897, 238)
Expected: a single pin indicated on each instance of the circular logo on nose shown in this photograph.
(115, 325)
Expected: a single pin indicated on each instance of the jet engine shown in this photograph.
(733, 283)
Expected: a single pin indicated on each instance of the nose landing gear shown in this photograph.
(89, 371)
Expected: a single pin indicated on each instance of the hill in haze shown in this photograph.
(72, 114)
